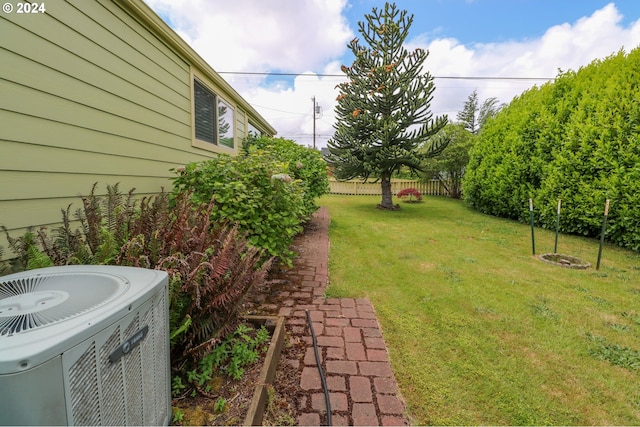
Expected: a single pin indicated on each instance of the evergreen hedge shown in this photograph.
(575, 139)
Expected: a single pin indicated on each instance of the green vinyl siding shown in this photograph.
(51, 133)
(61, 185)
(31, 210)
(241, 124)
(92, 91)
(39, 158)
(35, 103)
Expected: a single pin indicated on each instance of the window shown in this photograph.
(213, 117)
(254, 130)
(225, 124)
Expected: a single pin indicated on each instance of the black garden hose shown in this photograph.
(319, 364)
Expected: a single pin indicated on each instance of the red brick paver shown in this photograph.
(354, 357)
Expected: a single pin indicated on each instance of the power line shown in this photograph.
(255, 73)
(280, 111)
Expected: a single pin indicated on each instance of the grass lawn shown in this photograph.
(481, 332)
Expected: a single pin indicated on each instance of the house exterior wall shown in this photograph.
(97, 91)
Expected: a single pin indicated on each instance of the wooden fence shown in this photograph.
(355, 187)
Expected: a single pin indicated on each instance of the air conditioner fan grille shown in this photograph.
(35, 301)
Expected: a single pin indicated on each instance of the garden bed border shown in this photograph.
(258, 404)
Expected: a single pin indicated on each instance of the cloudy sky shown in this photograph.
(293, 49)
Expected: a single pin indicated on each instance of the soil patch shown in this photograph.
(227, 401)
(566, 261)
(226, 405)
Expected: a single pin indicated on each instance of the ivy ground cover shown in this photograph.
(481, 332)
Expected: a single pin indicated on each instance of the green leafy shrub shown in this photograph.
(303, 164)
(576, 139)
(253, 191)
(269, 191)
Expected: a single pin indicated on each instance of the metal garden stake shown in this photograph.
(555, 248)
(604, 228)
(533, 240)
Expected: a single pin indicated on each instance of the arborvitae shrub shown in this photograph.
(575, 139)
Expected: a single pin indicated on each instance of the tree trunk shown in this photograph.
(387, 196)
(455, 186)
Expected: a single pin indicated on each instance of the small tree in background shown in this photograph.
(450, 165)
(474, 118)
(411, 195)
(468, 115)
(383, 109)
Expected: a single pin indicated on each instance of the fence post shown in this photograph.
(604, 230)
(533, 239)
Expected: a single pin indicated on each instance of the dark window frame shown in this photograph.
(208, 111)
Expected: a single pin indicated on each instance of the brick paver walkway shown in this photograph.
(363, 390)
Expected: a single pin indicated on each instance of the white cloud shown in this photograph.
(258, 35)
(291, 36)
(566, 46)
(289, 107)
(275, 35)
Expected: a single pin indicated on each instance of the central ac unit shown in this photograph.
(85, 345)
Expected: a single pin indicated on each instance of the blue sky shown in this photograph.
(487, 21)
(465, 38)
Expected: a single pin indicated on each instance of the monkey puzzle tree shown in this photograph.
(383, 112)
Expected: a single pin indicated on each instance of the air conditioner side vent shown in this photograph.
(83, 380)
(132, 390)
(133, 374)
(154, 361)
(112, 400)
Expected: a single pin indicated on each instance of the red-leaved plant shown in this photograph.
(211, 266)
(410, 195)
